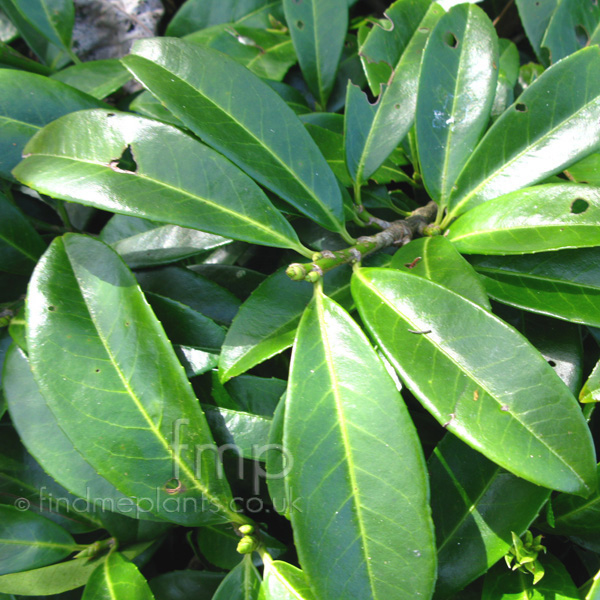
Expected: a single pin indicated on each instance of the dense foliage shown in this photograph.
(312, 314)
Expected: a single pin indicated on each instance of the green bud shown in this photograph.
(246, 529)
(247, 545)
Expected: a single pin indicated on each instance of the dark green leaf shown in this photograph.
(28, 540)
(318, 29)
(193, 290)
(242, 583)
(564, 284)
(508, 73)
(241, 282)
(9, 57)
(117, 578)
(195, 361)
(20, 244)
(498, 399)
(98, 78)
(373, 131)
(266, 323)
(191, 185)
(434, 258)
(47, 100)
(535, 17)
(183, 585)
(457, 85)
(554, 216)
(532, 141)
(199, 14)
(239, 115)
(371, 522)
(59, 578)
(475, 508)
(94, 363)
(276, 464)
(283, 581)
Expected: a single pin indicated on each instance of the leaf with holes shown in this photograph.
(28, 540)
(457, 86)
(114, 369)
(543, 132)
(564, 284)
(117, 578)
(370, 521)
(372, 131)
(453, 351)
(318, 29)
(436, 259)
(480, 506)
(536, 219)
(191, 185)
(241, 117)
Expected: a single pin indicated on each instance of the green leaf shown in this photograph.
(242, 583)
(191, 289)
(149, 106)
(98, 78)
(576, 516)
(372, 131)
(241, 282)
(240, 116)
(200, 14)
(371, 523)
(117, 578)
(47, 100)
(54, 19)
(481, 504)
(586, 170)
(502, 584)
(183, 585)
(28, 540)
(268, 54)
(594, 591)
(535, 19)
(318, 29)
(508, 73)
(542, 133)
(58, 578)
(266, 323)
(554, 216)
(572, 26)
(498, 399)
(93, 362)
(123, 155)
(20, 244)
(436, 259)
(283, 581)
(49, 445)
(9, 57)
(276, 464)
(457, 85)
(564, 284)
(590, 392)
(256, 395)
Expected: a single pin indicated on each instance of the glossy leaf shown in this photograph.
(502, 584)
(28, 540)
(283, 581)
(529, 142)
(318, 29)
(594, 591)
(498, 402)
(49, 445)
(564, 284)
(370, 522)
(572, 26)
(54, 19)
(535, 19)
(373, 131)
(268, 54)
(457, 86)
(434, 258)
(240, 116)
(115, 366)
(586, 170)
(47, 100)
(9, 57)
(266, 323)
(191, 289)
(98, 78)
(536, 219)
(242, 583)
(20, 244)
(58, 578)
(199, 14)
(508, 73)
(276, 464)
(476, 506)
(149, 106)
(117, 578)
(191, 185)
(590, 392)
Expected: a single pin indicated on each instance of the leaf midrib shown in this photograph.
(485, 270)
(38, 543)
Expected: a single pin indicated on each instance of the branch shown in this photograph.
(396, 233)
